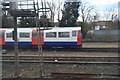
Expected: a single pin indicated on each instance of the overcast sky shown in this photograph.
(99, 5)
(103, 4)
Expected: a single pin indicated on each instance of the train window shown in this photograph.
(51, 34)
(64, 34)
(40, 34)
(9, 35)
(34, 34)
(79, 33)
(1, 34)
(24, 35)
(73, 33)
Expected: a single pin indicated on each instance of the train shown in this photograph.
(52, 37)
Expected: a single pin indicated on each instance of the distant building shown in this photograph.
(101, 25)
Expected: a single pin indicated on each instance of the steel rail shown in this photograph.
(76, 49)
(83, 49)
(36, 56)
(60, 62)
(57, 58)
(85, 75)
(90, 41)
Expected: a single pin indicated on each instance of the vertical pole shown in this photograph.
(52, 14)
(46, 22)
(59, 12)
(43, 14)
(14, 6)
(16, 48)
(41, 59)
(39, 43)
(0, 45)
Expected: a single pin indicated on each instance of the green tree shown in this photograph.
(44, 21)
(31, 22)
(27, 22)
(70, 14)
(7, 22)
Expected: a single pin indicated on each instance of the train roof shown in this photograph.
(42, 28)
(18, 29)
(64, 29)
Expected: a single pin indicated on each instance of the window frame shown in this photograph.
(35, 34)
(63, 36)
(74, 34)
(9, 36)
(51, 36)
(24, 35)
(2, 34)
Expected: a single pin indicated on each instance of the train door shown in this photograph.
(37, 38)
(2, 37)
(78, 37)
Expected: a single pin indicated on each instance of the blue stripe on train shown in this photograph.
(19, 43)
(45, 43)
(60, 43)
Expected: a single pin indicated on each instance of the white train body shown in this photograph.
(57, 36)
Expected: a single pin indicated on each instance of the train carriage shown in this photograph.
(24, 37)
(65, 37)
(58, 37)
(55, 37)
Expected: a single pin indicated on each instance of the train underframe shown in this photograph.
(43, 46)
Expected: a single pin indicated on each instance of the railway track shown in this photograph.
(68, 60)
(60, 62)
(64, 60)
(89, 41)
(86, 75)
(72, 49)
(85, 49)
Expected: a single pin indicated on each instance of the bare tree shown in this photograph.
(55, 9)
(94, 17)
(85, 12)
(110, 14)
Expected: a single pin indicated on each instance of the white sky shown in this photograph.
(102, 2)
(100, 5)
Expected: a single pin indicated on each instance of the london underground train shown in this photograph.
(53, 37)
